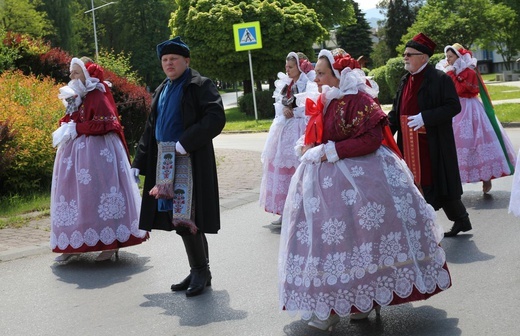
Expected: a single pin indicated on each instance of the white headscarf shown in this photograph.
(77, 88)
(350, 81)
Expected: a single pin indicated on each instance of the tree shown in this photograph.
(59, 13)
(332, 13)
(505, 35)
(207, 27)
(139, 26)
(381, 53)
(356, 38)
(21, 16)
(512, 42)
(400, 15)
(468, 22)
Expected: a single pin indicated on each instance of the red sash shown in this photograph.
(411, 148)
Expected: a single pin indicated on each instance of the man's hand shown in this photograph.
(415, 122)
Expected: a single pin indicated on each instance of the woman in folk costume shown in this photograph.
(356, 232)
(278, 158)
(484, 150)
(514, 202)
(95, 201)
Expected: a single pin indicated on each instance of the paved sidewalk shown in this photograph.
(239, 174)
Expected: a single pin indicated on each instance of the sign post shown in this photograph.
(247, 36)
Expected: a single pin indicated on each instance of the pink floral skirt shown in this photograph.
(357, 233)
(95, 202)
(479, 153)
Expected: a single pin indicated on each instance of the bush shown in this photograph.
(264, 104)
(119, 64)
(394, 72)
(379, 76)
(8, 56)
(132, 100)
(436, 58)
(27, 49)
(7, 148)
(33, 109)
(133, 104)
(54, 64)
(389, 76)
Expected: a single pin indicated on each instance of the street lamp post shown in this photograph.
(94, 22)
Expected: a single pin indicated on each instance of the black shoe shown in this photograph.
(200, 278)
(184, 284)
(459, 226)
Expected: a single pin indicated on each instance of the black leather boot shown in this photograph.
(184, 284)
(200, 276)
(459, 226)
(199, 280)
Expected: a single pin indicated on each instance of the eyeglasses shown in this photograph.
(412, 54)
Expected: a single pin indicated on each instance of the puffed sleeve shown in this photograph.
(466, 83)
(96, 116)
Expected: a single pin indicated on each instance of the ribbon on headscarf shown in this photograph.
(314, 129)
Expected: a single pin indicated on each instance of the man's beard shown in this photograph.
(78, 87)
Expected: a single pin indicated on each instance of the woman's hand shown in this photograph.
(306, 148)
(288, 112)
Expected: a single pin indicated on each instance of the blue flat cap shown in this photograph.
(173, 46)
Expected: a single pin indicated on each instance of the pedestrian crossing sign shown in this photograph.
(247, 36)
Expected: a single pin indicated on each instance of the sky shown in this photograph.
(367, 4)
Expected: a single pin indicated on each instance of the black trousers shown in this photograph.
(453, 208)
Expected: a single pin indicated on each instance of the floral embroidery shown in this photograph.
(112, 205)
(65, 214)
(109, 156)
(347, 127)
(371, 215)
(334, 267)
(333, 230)
(349, 196)
(404, 208)
(303, 233)
(391, 250)
(68, 162)
(327, 182)
(313, 204)
(357, 171)
(83, 176)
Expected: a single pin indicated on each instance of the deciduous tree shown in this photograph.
(207, 27)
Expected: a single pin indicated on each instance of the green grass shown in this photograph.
(499, 92)
(508, 112)
(237, 121)
(13, 208)
(489, 77)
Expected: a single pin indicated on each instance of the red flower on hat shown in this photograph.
(95, 71)
(305, 65)
(346, 61)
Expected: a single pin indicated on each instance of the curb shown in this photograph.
(42, 248)
(23, 252)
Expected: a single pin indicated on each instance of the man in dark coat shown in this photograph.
(187, 113)
(422, 112)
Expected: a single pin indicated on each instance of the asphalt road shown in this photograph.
(131, 296)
